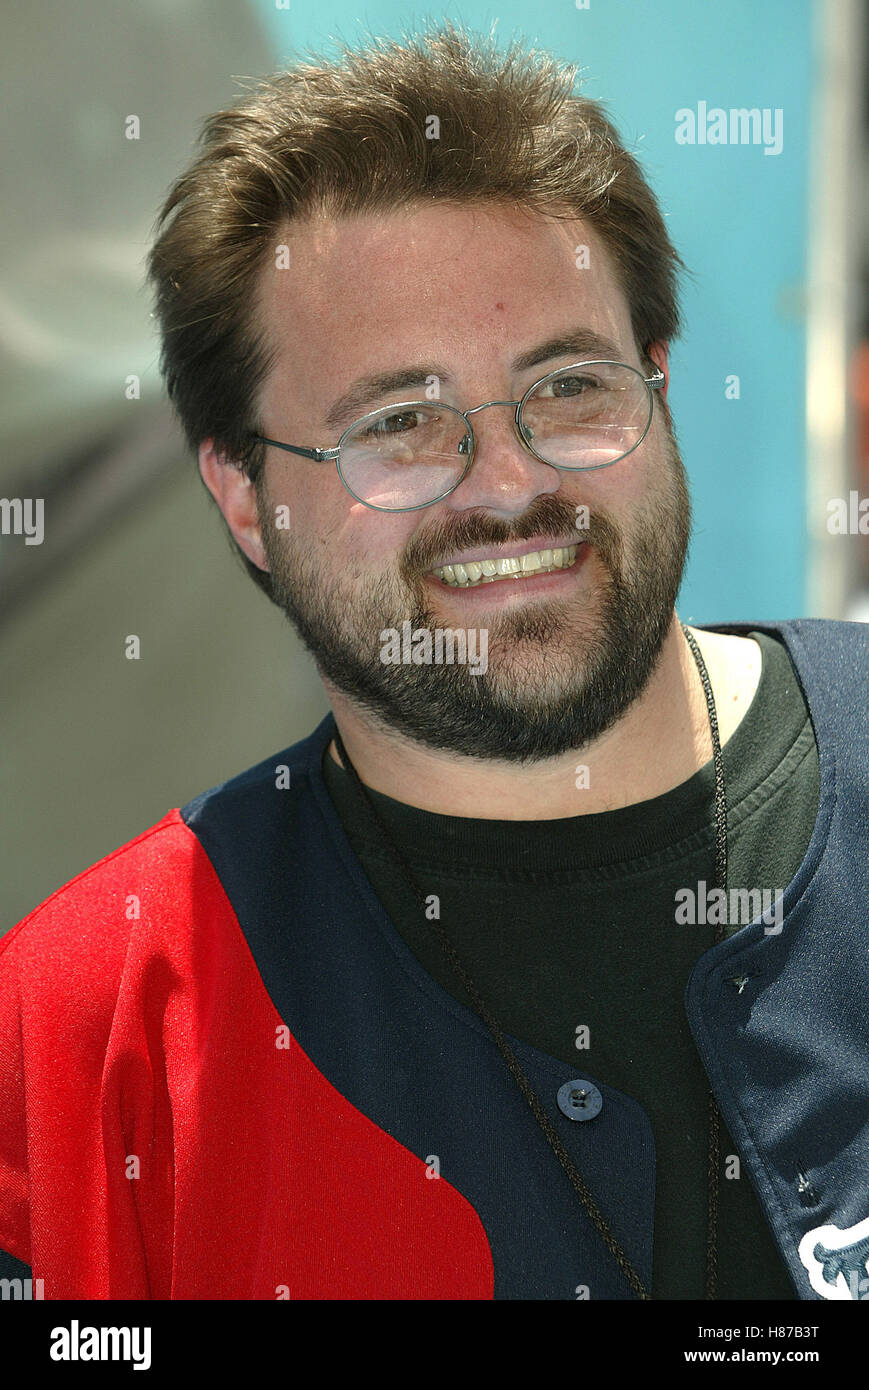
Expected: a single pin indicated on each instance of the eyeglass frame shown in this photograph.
(653, 383)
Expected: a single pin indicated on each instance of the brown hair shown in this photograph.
(350, 136)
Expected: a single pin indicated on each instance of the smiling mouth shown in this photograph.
(473, 572)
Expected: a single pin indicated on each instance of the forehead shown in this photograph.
(474, 283)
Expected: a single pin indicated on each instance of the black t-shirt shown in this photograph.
(571, 923)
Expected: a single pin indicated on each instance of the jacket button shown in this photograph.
(579, 1100)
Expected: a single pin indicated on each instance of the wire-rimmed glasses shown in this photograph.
(411, 454)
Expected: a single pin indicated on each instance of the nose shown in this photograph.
(504, 476)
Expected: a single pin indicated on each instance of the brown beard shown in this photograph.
(558, 677)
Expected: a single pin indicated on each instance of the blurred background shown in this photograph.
(770, 388)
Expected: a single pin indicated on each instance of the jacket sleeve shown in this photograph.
(86, 1153)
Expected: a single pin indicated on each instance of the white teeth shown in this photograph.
(474, 572)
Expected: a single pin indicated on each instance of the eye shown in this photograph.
(400, 423)
(572, 385)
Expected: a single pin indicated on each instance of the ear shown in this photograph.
(659, 355)
(235, 495)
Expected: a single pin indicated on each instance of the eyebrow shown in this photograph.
(580, 343)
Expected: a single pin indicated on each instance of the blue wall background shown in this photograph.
(738, 218)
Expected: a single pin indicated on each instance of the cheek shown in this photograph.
(354, 537)
(629, 485)
(618, 491)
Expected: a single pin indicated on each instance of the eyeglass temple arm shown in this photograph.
(319, 455)
(657, 381)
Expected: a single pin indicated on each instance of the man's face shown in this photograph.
(459, 293)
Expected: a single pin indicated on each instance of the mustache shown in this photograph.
(548, 515)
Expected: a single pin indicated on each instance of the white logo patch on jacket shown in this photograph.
(837, 1261)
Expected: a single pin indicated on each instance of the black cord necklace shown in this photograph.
(540, 1115)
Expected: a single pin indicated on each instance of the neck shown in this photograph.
(661, 741)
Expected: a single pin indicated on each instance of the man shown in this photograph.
(430, 1004)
